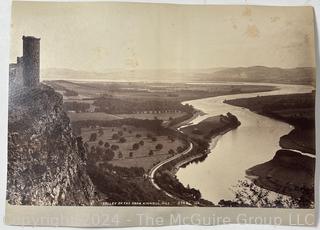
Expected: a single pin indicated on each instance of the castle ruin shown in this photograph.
(26, 72)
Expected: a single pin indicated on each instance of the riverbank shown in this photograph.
(200, 135)
(289, 172)
(297, 110)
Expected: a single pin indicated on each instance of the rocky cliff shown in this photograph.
(46, 162)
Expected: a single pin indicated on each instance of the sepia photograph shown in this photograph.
(129, 104)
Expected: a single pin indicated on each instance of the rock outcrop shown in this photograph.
(46, 162)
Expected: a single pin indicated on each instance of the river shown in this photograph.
(255, 141)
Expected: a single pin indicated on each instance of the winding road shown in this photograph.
(153, 170)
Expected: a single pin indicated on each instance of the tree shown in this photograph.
(99, 151)
(100, 142)
(135, 146)
(120, 133)
(120, 155)
(100, 132)
(150, 153)
(106, 145)
(115, 136)
(130, 154)
(141, 143)
(179, 149)
(171, 138)
(154, 139)
(171, 151)
(114, 147)
(108, 155)
(93, 137)
(159, 146)
(122, 140)
(92, 150)
(124, 129)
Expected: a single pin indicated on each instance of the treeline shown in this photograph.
(76, 106)
(117, 106)
(296, 109)
(152, 125)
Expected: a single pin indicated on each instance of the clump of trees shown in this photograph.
(171, 184)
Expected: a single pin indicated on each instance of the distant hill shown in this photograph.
(259, 74)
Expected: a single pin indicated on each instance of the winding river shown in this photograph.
(255, 141)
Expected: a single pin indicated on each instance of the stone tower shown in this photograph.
(31, 61)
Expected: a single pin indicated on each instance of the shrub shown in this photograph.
(100, 142)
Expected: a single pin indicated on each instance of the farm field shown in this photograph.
(152, 91)
(149, 148)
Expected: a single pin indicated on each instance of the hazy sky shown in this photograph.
(100, 36)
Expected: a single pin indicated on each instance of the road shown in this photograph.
(153, 170)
